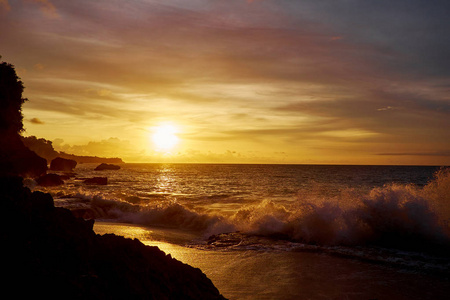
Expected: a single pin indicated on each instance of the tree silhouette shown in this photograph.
(15, 158)
(11, 100)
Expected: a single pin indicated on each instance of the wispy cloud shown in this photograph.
(435, 153)
(36, 121)
(293, 73)
(46, 7)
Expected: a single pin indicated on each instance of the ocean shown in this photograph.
(282, 231)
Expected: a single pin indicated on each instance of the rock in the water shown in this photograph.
(97, 180)
(104, 166)
(62, 164)
(48, 252)
(50, 180)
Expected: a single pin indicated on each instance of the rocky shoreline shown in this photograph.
(50, 252)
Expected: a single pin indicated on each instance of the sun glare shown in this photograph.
(165, 138)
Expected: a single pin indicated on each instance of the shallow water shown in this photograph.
(258, 274)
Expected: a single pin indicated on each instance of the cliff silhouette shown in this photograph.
(49, 252)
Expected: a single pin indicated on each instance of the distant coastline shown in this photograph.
(44, 148)
(52, 253)
(91, 159)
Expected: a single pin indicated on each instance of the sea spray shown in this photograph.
(402, 216)
(391, 215)
(175, 215)
(310, 223)
(437, 192)
(163, 214)
(395, 216)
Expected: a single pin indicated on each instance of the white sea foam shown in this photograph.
(392, 215)
(395, 215)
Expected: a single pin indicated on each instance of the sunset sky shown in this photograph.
(236, 81)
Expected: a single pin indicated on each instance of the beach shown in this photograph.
(281, 231)
(225, 149)
(253, 274)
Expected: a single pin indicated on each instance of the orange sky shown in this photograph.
(341, 82)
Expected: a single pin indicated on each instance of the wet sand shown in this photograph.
(288, 275)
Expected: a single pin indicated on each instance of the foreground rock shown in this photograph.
(49, 252)
(62, 164)
(50, 180)
(97, 180)
(17, 159)
(104, 166)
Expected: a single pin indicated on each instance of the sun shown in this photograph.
(164, 137)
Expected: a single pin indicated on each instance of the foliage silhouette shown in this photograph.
(15, 158)
(11, 100)
(53, 254)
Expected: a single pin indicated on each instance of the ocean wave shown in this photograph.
(395, 216)
(171, 214)
(400, 216)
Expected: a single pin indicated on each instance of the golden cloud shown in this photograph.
(36, 121)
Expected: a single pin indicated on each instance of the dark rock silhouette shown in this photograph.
(50, 180)
(49, 252)
(97, 180)
(62, 164)
(42, 147)
(15, 158)
(104, 166)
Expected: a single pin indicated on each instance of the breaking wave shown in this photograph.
(163, 214)
(400, 216)
(395, 216)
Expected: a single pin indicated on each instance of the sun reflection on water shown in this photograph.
(165, 181)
